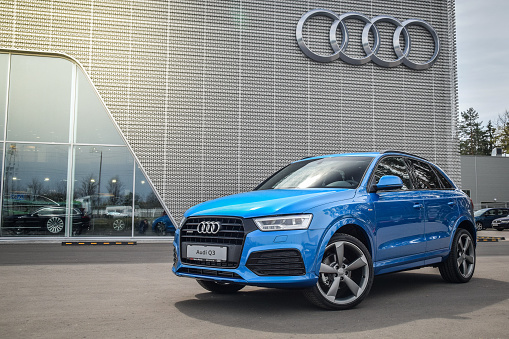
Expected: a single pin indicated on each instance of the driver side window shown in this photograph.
(393, 166)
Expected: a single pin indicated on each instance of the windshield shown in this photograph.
(480, 212)
(334, 172)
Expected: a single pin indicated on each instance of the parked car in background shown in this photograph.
(484, 217)
(501, 224)
(51, 219)
(328, 225)
(163, 226)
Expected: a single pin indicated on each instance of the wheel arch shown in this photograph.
(350, 226)
(466, 225)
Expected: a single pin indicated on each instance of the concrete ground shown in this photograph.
(54, 291)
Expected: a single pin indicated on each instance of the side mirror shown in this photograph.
(388, 182)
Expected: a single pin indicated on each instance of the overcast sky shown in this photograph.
(483, 56)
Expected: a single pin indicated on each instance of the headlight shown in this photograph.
(283, 223)
(181, 223)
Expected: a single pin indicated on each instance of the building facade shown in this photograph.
(214, 96)
(485, 179)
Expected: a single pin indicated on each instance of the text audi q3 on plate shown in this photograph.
(327, 225)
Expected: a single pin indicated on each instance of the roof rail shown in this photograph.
(405, 153)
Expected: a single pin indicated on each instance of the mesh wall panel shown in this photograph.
(214, 96)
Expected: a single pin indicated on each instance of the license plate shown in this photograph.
(216, 253)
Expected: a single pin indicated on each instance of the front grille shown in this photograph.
(230, 235)
(232, 231)
(209, 273)
(276, 263)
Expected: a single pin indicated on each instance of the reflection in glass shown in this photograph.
(103, 187)
(39, 99)
(94, 125)
(35, 187)
(4, 68)
(150, 217)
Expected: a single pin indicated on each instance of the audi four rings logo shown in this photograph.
(209, 227)
(339, 48)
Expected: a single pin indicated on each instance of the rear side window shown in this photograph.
(503, 212)
(393, 166)
(445, 182)
(425, 176)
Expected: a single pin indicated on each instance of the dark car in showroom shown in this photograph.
(484, 217)
(501, 224)
(328, 225)
(50, 219)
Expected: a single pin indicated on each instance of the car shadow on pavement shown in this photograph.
(394, 299)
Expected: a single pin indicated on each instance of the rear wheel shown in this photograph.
(460, 265)
(499, 229)
(218, 287)
(478, 226)
(346, 274)
(118, 225)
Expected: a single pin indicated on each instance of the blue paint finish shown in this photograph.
(403, 228)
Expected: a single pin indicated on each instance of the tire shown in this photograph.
(55, 225)
(346, 274)
(460, 264)
(479, 226)
(499, 229)
(220, 288)
(118, 225)
(160, 228)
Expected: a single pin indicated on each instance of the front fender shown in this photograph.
(333, 229)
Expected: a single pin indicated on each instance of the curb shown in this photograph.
(489, 239)
(73, 243)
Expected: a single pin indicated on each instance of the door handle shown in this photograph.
(418, 205)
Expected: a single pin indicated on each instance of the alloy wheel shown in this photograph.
(55, 225)
(466, 256)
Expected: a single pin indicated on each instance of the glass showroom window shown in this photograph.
(40, 91)
(103, 187)
(34, 190)
(150, 217)
(53, 108)
(4, 71)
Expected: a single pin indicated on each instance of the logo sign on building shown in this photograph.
(339, 47)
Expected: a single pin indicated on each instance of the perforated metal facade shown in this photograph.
(214, 96)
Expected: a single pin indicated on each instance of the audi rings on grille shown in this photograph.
(209, 227)
(339, 48)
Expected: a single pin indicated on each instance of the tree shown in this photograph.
(490, 139)
(35, 187)
(115, 187)
(88, 186)
(503, 131)
(473, 139)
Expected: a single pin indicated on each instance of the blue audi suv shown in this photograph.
(328, 225)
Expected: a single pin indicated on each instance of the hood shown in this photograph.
(269, 202)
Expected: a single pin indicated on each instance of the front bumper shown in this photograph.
(502, 225)
(303, 241)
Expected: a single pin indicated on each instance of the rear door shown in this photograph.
(441, 209)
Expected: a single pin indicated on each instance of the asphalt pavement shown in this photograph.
(55, 291)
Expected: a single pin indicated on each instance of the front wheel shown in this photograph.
(499, 229)
(160, 228)
(346, 274)
(479, 226)
(55, 225)
(460, 264)
(221, 288)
